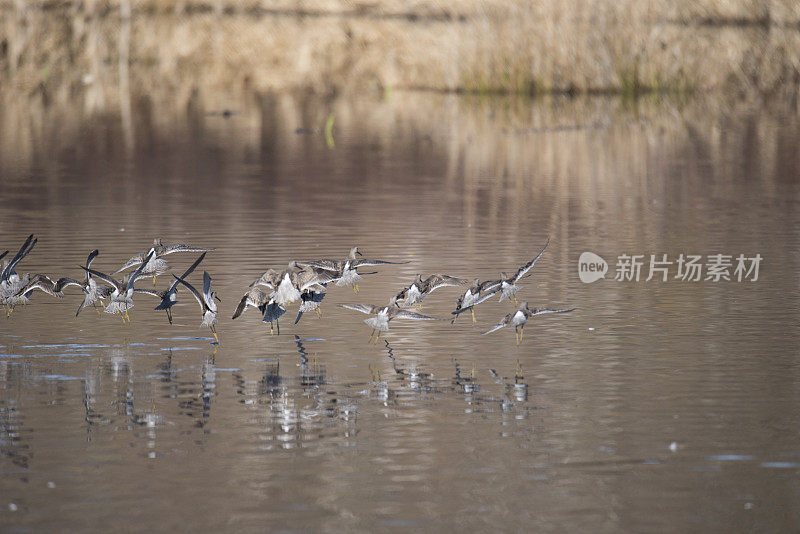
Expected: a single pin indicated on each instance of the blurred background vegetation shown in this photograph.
(745, 47)
(138, 74)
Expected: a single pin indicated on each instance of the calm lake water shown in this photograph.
(656, 406)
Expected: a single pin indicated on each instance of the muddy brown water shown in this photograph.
(654, 406)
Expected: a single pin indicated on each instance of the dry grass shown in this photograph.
(494, 46)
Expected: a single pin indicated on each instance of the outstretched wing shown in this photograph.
(435, 281)
(154, 292)
(66, 282)
(197, 295)
(90, 258)
(138, 271)
(486, 294)
(180, 247)
(241, 307)
(317, 276)
(499, 325)
(135, 260)
(326, 264)
(269, 278)
(41, 282)
(188, 271)
(166, 296)
(527, 267)
(105, 277)
(490, 285)
(542, 311)
(363, 308)
(23, 251)
(365, 262)
(406, 314)
(207, 296)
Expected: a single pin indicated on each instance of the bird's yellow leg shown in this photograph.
(474, 320)
(521, 333)
(319, 312)
(370, 336)
(128, 317)
(377, 337)
(355, 288)
(154, 280)
(270, 329)
(214, 331)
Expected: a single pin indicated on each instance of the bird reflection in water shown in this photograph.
(270, 383)
(313, 373)
(91, 386)
(196, 395)
(414, 377)
(12, 428)
(467, 384)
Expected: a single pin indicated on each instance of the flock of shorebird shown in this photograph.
(271, 293)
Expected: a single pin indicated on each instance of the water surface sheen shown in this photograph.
(655, 406)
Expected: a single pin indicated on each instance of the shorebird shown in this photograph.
(381, 315)
(284, 288)
(346, 270)
(294, 281)
(41, 282)
(169, 296)
(157, 265)
(271, 311)
(121, 297)
(10, 282)
(419, 288)
(206, 301)
(508, 287)
(255, 298)
(474, 295)
(520, 317)
(91, 290)
(265, 303)
(313, 283)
